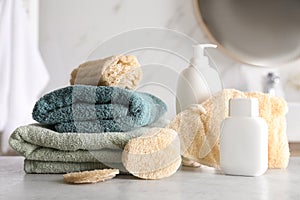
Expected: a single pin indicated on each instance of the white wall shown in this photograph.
(70, 29)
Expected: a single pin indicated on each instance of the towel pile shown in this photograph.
(48, 151)
(85, 127)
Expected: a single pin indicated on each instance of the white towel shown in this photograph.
(23, 74)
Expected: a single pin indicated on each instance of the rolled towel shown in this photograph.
(121, 71)
(82, 108)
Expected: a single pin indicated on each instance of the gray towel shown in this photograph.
(39, 143)
(44, 167)
(82, 108)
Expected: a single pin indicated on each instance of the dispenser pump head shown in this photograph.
(199, 57)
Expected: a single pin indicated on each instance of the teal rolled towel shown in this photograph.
(89, 109)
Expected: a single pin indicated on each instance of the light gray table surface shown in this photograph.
(188, 183)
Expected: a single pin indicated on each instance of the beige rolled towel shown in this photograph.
(154, 155)
(120, 71)
(199, 127)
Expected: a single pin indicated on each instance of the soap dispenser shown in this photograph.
(198, 81)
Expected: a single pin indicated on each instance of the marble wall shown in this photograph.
(71, 29)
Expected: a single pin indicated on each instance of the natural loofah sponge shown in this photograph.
(120, 71)
(273, 110)
(154, 155)
(199, 127)
(90, 176)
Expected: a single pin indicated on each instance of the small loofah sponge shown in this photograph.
(90, 176)
(121, 71)
(199, 127)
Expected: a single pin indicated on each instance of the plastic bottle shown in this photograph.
(197, 82)
(244, 139)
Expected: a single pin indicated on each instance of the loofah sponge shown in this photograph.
(154, 155)
(273, 110)
(90, 176)
(120, 71)
(199, 127)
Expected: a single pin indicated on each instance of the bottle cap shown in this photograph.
(243, 107)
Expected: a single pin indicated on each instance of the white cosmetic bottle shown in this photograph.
(198, 81)
(244, 139)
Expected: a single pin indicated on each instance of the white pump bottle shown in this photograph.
(197, 82)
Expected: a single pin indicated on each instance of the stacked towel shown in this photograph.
(85, 127)
(90, 109)
(47, 151)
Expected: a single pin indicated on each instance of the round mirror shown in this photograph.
(257, 32)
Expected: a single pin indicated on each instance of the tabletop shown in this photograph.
(188, 183)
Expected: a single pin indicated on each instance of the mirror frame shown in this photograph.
(211, 38)
(224, 50)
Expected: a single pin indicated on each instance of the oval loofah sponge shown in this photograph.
(154, 155)
(121, 71)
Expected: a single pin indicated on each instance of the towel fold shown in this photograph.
(47, 151)
(48, 167)
(54, 155)
(89, 109)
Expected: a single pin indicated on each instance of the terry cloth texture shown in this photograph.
(90, 109)
(44, 167)
(45, 146)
